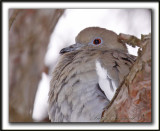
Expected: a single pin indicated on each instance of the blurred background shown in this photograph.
(35, 38)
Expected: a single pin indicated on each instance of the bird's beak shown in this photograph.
(71, 48)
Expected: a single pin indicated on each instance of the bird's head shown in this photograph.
(96, 37)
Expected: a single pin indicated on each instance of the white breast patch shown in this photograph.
(105, 81)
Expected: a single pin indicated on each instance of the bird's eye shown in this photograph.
(97, 41)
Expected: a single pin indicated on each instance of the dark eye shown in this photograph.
(97, 41)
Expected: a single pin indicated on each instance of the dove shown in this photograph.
(87, 75)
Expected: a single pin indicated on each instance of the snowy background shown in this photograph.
(129, 21)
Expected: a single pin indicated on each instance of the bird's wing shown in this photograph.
(112, 67)
(75, 90)
(82, 86)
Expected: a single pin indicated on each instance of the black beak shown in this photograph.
(64, 50)
(67, 49)
(71, 48)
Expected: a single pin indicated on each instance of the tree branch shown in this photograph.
(132, 101)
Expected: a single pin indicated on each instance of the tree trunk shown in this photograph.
(29, 35)
(132, 101)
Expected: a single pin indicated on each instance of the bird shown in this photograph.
(87, 75)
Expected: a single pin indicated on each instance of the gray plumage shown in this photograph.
(78, 92)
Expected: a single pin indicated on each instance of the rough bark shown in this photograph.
(132, 101)
(29, 36)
